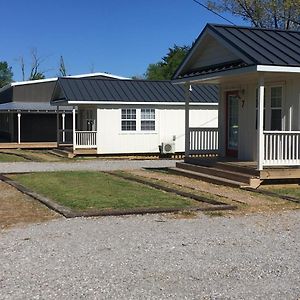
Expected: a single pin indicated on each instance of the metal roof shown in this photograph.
(30, 107)
(254, 46)
(127, 91)
(88, 75)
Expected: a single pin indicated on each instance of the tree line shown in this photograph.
(34, 71)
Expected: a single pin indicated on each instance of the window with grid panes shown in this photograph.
(128, 117)
(276, 107)
(147, 119)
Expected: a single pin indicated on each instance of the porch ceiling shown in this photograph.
(243, 76)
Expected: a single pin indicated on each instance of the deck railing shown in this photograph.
(282, 148)
(203, 140)
(85, 139)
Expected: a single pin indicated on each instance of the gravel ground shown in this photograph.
(154, 257)
(91, 165)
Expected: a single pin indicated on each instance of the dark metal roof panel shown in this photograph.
(107, 90)
(265, 46)
(261, 46)
(30, 106)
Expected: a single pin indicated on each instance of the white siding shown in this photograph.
(247, 112)
(213, 53)
(169, 124)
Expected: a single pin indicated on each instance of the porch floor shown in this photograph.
(29, 145)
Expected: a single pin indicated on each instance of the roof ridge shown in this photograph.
(112, 79)
(252, 28)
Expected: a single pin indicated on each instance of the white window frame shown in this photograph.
(268, 107)
(129, 119)
(276, 108)
(139, 120)
(149, 119)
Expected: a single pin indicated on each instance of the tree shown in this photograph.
(6, 74)
(164, 69)
(62, 67)
(281, 14)
(35, 72)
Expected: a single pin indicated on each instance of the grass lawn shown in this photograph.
(99, 191)
(4, 157)
(292, 190)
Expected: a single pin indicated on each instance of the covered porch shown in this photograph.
(257, 72)
(258, 122)
(82, 137)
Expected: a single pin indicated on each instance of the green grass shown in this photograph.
(10, 158)
(288, 191)
(99, 191)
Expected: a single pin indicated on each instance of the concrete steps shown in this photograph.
(218, 174)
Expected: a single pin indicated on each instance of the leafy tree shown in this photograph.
(164, 69)
(282, 14)
(6, 74)
(138, 77)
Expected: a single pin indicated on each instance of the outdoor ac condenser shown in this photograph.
(167, 148)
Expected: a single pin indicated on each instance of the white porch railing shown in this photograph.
(281, 148)
(85, 139)
(203, 140)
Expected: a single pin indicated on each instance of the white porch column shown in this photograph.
(260, 122)
(19, 128)
(98, 131)
(57, 125)
(187, 88)
(74, 128)
(63, 127)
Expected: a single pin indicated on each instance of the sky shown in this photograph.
(121, 37)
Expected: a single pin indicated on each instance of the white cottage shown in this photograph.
(258, 75)
(131, 116)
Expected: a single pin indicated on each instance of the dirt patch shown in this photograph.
(17, 208)
(247, 201)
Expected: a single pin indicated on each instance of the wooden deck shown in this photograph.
(29, 145)
(236, 173)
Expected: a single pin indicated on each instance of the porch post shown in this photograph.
(260, 123)
(57, 125)
(63, 127)
(74, 128)
(98, 130)
(187, 88)
(19, 128)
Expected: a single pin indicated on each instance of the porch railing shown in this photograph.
(203, 140)
(85, 139)
(281, 148)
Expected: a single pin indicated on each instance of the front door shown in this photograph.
(232, 124)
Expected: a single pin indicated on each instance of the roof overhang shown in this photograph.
(120, 103)
(30, 107)
(215, 77)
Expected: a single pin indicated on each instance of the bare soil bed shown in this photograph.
(17, 208)
(246, 201)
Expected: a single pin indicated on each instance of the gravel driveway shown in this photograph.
(91, 165)
(154, 257)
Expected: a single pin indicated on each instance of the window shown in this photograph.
(276, 105)
(256, 105)
(128, 116)
(147, 119)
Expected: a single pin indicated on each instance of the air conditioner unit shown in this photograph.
(167, 148)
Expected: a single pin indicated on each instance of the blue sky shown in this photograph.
(115, 36)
